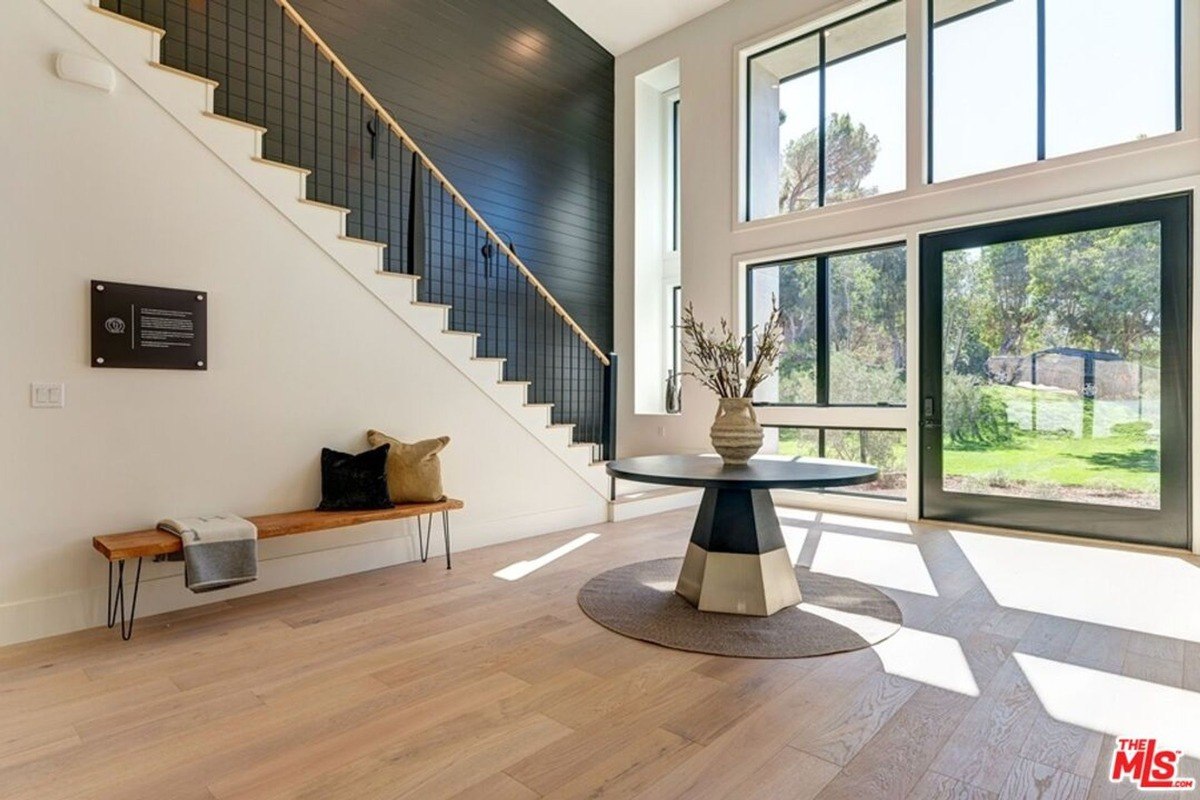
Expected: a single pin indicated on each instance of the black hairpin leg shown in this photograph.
(116, 600)
(424, 534)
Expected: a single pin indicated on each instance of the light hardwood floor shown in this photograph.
(412, 682)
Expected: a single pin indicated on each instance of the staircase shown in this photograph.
(254, 82)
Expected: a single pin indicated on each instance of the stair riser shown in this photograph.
(231, 137)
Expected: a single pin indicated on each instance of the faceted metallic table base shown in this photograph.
(737, 562)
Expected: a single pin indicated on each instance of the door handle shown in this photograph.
(929, 413)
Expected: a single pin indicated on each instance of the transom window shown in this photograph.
(844, 327)
(1016, 81)
(825, 115)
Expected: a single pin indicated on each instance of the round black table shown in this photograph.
(736, 562)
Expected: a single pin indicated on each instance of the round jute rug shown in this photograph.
(836, 615)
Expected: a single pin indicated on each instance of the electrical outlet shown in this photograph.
(47, 395)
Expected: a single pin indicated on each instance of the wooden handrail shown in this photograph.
(437, 173)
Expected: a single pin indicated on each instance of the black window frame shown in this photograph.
(676, 329)
(675, 175)
(821, 429)
(821, 261)
(1176, 213)
(931, 27)
(822, 66)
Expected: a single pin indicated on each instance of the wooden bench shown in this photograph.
(120, 547)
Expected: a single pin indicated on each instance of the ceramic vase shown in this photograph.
(736, 434)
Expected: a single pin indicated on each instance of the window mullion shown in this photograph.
(823, 331)
(929, 92)
(820, 117)
(1041, 80)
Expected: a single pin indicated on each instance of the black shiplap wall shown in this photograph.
(515, 105)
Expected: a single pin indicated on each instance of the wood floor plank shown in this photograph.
(1061, 745)
(789, 773)
(933, 786)
(1191, 667)
(901, 753)
(550, 768)
(853, 718)
(740, 697)
(984, 747)
(1167, 672)
(629, 769)
(1030, 780)
(497, 786)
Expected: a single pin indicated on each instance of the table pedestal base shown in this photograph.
(737, 562)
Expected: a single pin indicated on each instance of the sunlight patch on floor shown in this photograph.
(930, 658)
(866, 627)
(520, 569)
(1120, 588)
(1115, 704)
(927, 658)
(895, 565)
(867, 523)
(795, 517)
(794, 539)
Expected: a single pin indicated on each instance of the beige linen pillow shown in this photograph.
(414, 473)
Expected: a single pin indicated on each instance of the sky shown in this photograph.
(1109, 78)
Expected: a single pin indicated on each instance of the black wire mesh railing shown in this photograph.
(273, 70)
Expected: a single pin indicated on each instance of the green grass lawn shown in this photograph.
(1112, 462)
(1058, 462)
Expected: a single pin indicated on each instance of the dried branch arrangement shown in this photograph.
(718, 355)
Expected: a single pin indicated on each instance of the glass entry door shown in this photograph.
(1054, 373)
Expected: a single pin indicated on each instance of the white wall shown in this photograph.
(716, 245)
(301, 356)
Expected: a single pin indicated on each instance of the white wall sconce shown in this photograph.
(88, 71)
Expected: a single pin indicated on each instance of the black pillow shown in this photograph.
(354, 482)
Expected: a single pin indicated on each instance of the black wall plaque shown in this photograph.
(147, 327)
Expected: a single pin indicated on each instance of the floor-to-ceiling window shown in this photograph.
(1055, 372)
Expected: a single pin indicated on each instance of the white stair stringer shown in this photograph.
(134, 47)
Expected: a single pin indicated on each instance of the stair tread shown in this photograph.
(238, 122)
(357, 240)
(184, 74)
(137, 23)
(281, 165)
(318, 203)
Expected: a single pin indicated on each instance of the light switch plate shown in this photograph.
(47, 395)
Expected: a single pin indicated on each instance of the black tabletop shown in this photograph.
(761, 473)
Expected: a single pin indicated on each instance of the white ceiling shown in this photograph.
(622, 25)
